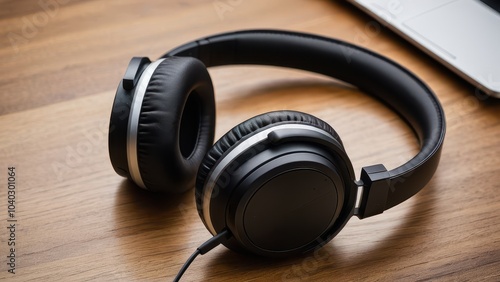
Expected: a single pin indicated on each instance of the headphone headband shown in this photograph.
(376, 75)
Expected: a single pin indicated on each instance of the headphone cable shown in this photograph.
(203, 249)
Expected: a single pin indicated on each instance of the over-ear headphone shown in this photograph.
(280, 183)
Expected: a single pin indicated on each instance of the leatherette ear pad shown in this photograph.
(247, 128)
(176, 82)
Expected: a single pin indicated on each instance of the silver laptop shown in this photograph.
(464, 35)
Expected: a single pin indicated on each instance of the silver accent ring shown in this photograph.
(234, 153)
(133, 122)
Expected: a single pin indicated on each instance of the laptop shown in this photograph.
(464, 35)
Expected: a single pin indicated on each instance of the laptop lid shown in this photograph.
(464, 35)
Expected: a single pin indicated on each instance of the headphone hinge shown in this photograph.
(134, 70)
(376, 185)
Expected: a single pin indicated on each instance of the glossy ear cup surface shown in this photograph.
(281, 182)
(248, 128)
(176, 124)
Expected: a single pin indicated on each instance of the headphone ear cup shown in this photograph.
(243, 130)
(176, 124)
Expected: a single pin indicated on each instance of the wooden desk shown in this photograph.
(77, 220)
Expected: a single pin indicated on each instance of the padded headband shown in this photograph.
(376, 75)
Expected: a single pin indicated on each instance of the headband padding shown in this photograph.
(374, 74)
(176, 124)
(246, 129)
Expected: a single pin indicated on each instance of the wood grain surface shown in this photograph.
(77, 220)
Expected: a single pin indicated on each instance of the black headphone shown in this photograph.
(280, 183)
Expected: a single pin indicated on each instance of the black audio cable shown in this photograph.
(203, 249)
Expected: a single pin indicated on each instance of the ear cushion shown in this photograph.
(247, 128)
(176, 124)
